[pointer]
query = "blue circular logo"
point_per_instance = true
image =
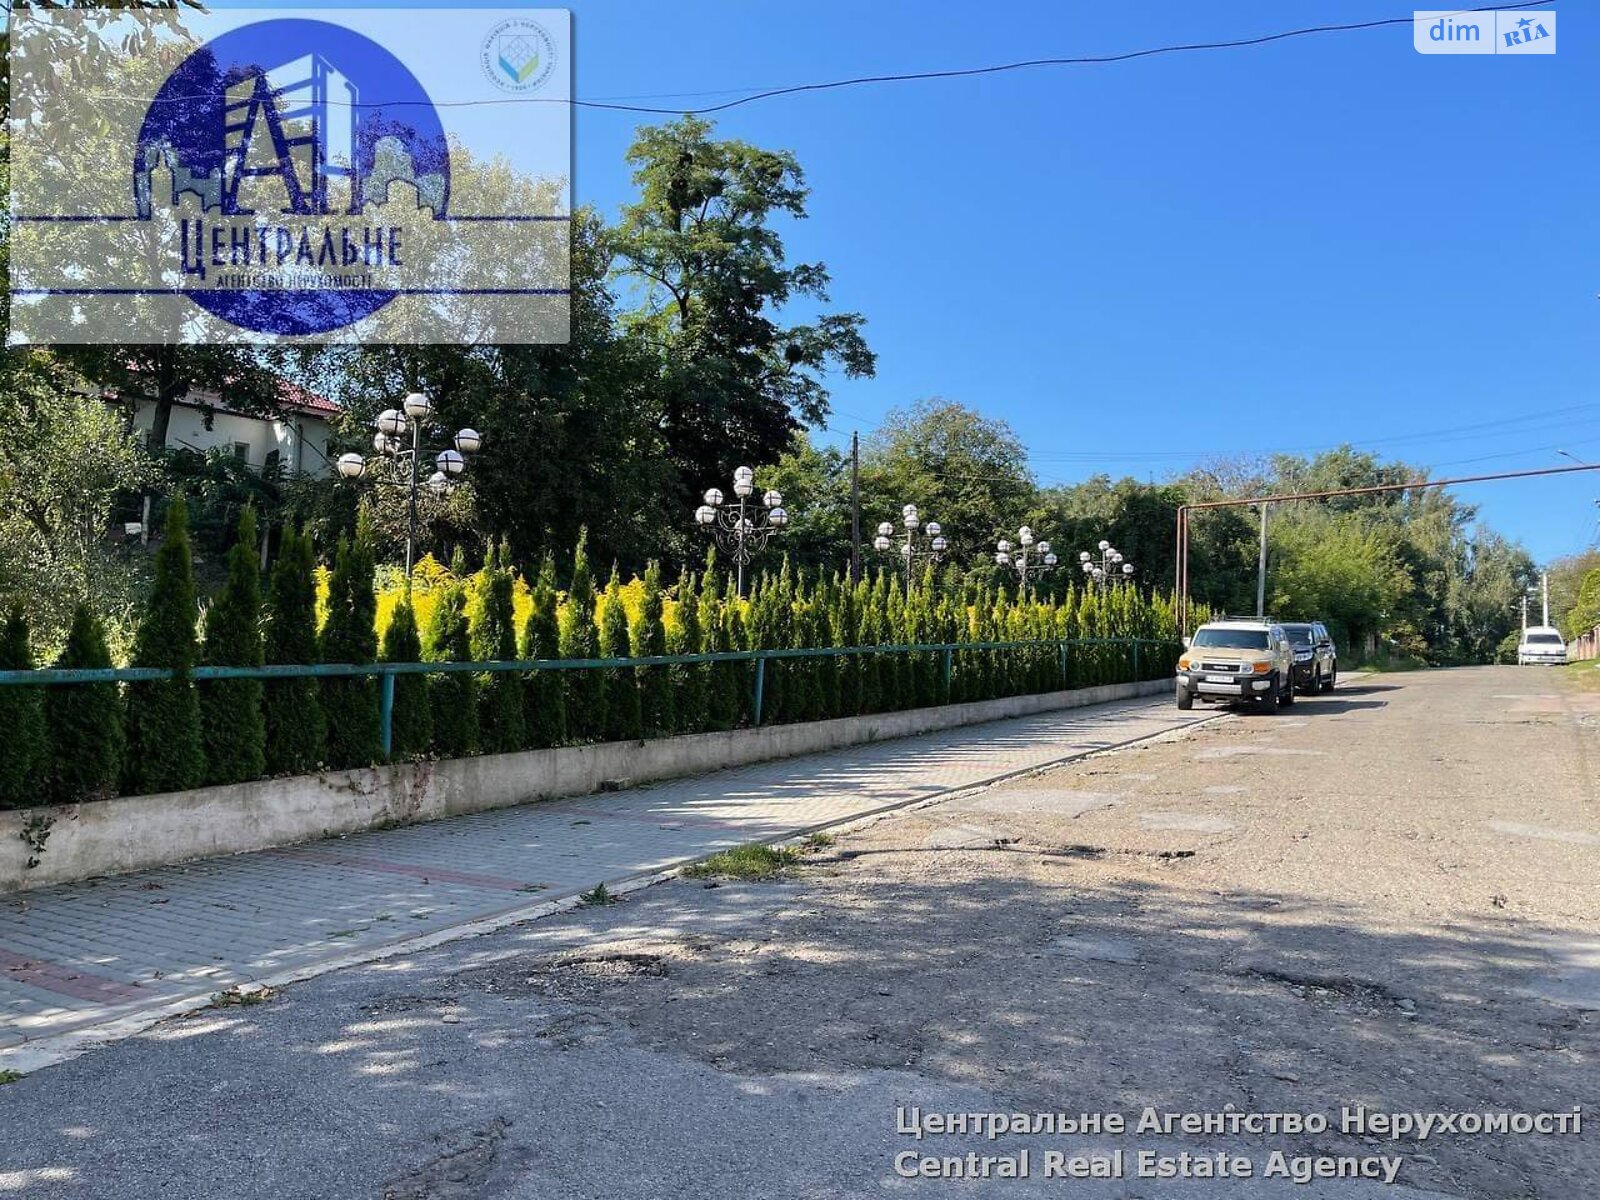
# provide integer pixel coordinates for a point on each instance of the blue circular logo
(278, 144)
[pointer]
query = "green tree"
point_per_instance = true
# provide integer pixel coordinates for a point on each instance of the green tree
(453, 696)
(24, 758)
(701, 248)
(546, 717)
(85, 720)
(349, 635)
(1585, 612)
(296, 731)
(688, 681)
(233, 725)
(411, 720)
(494, 637)
(165, 751)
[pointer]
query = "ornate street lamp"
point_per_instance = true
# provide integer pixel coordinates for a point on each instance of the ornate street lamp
(401, 463)
(1109, 568)
(1028, 558)
(742, 528)
(933, 551)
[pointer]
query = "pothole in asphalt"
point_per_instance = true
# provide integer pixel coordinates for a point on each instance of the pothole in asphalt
(569, 976)
(1095, 947)
(1339, 990)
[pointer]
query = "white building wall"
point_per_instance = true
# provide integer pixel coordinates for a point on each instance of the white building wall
(300, 439)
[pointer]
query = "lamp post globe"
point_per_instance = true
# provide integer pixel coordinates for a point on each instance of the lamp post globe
(450, 462)
(417, 405)
(391, 421)
(352, 466)
(469, 440)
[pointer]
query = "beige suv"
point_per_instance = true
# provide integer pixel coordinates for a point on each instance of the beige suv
(1237, 659)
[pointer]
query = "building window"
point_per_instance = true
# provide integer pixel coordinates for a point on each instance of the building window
(241, 451)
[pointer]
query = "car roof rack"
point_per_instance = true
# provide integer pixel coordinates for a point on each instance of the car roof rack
(1269, 619)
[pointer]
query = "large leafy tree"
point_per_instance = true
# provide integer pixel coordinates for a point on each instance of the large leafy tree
(712, 281)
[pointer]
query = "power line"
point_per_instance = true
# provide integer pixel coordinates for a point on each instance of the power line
(1035, 63)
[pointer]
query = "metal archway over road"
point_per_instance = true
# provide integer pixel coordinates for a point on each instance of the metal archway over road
(1266, 501)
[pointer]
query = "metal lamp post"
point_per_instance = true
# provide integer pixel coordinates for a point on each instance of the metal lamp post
(1109, 568)
(1028, 558)
(743, 527)
(909, 550)
(403, 462)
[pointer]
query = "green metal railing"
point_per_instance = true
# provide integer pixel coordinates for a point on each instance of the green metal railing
(385, 672)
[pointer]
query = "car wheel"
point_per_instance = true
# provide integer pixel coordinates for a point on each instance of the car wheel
(1333, 678)
(1185, 698)
(1322, 684)
(1269, 702)
(1288, 692)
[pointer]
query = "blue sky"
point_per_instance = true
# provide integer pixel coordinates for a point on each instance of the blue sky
(1323, 240)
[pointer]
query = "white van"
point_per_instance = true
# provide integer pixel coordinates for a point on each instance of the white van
(1541, 644)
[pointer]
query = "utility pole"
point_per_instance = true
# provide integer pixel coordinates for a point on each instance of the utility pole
(1261, 568)
(1544, 588)
(855, 507)
(1524, 612)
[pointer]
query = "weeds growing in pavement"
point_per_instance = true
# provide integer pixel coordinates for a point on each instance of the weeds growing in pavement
(754, 861)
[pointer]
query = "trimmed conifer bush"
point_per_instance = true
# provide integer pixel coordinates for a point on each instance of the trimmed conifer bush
(545, 702)
(687, 681)
(624, 716)
(647, 637)
(84, 720)
(233, 727)
(24, 753)
(494, 638)
(452, 697)
(295, 728)
(350, 704)
(411, 721)
(587, 691)
(165, 752)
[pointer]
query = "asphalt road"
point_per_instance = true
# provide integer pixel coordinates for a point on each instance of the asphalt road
(1386, 898)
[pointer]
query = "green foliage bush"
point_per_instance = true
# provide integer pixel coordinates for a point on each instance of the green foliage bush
(165, 752)
(411, 723)
(624, 714)
(24, 753)
(544, 699)
(350, 705)
(84, 720)
(453, 697)
(296, 730)
(233, 726)
(494, 638)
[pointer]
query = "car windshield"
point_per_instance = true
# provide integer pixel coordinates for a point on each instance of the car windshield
(1545, 639)
(1300, 635)
(1231, 639)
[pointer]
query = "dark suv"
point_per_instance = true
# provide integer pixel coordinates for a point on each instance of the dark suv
(1316, 662)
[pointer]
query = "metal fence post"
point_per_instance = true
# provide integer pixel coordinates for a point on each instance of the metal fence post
(948, 654)
(386, 711)
(1061, 653)
(1136, 660)
(760, 689)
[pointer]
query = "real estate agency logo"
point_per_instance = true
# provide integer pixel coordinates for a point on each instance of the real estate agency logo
(518, 55)
(1484, 31)
(290, 155)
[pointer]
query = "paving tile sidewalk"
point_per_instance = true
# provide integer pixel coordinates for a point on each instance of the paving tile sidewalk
(82, 955)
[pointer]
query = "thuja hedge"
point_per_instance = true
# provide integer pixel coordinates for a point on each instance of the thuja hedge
(180, 733)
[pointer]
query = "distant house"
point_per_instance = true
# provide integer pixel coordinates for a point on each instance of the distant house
(294, 442)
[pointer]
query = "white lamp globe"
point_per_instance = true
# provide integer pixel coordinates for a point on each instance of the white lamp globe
(469, 441)
(940, 545)
(773, 498)
(885, 529)
(779, 517)
(705, 514)
(934, 529)
(912, 521)
(438, 481)
(1044, 547)
(1104, 545)
(417, 405)
(880, 543)
(450, 462)
(391, 421)
(1002, 558)
(381, 442)
(713, 497)
(744, 481)
(352, 466)
(1127, 568)
(1088, 567)
(1025, 536)
(1049, 560)
(1004, 547)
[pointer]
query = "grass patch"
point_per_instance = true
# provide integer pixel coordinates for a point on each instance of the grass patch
(754, 861)
(1583, 675)
(10, 1076)
(817, 841)
(598, 894)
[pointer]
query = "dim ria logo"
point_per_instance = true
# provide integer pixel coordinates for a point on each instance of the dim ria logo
(518, 55)
(292, 156)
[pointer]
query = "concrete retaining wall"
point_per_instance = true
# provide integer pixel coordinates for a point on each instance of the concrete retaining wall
(109, 837)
